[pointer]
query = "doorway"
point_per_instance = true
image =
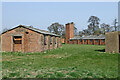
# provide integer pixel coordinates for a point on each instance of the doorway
(77, 41)
(17, 43)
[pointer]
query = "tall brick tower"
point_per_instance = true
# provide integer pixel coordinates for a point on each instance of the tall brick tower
(69, 31)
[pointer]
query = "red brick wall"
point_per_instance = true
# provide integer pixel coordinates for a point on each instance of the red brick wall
(51, 44)
(76, 41)
(6, 42)
(59, 40)
(85, 42)
(69, 31)
(80, 42)
(102, 42)
(91, 42)
(71, 42)
(71, 26)
(55, 42)
(46, 43)
(96, 43)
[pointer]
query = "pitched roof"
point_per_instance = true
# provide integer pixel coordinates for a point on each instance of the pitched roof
(89, 37)
(76, 37)
(34, 29)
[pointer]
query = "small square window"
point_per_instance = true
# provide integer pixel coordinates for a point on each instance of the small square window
(80, 40)
(17, 39)
(96, 40)
(84, 40)
(103, 40)
(91, 40)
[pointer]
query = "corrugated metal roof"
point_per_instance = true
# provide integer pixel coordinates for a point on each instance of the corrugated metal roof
(89, 37)
(41, 31)
(76, 37)
(35, 29)
(101, 37)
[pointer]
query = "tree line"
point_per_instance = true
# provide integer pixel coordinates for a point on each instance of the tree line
(94, 28)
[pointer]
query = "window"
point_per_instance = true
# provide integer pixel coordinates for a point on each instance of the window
(44, 40)
(17, 39)
(80, 40)
(103, 40)
(26, 32)
(96, 40)
(90, 40)
(84, 40)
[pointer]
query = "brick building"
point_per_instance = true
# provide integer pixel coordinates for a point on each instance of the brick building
(112, 42)
(28, 39)
(91, 39)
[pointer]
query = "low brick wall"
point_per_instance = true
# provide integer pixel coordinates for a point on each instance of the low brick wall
(112, 42)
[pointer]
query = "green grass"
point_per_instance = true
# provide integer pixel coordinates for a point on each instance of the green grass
(70, 61)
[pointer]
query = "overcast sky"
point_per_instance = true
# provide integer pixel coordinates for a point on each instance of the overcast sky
(43, 14)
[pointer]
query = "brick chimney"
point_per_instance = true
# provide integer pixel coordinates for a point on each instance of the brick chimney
(69, 31)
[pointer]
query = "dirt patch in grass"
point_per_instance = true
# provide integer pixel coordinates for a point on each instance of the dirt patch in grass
(53, 56)
(10, 58)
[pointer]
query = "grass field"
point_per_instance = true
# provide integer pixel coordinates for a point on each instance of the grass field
(70, 61)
